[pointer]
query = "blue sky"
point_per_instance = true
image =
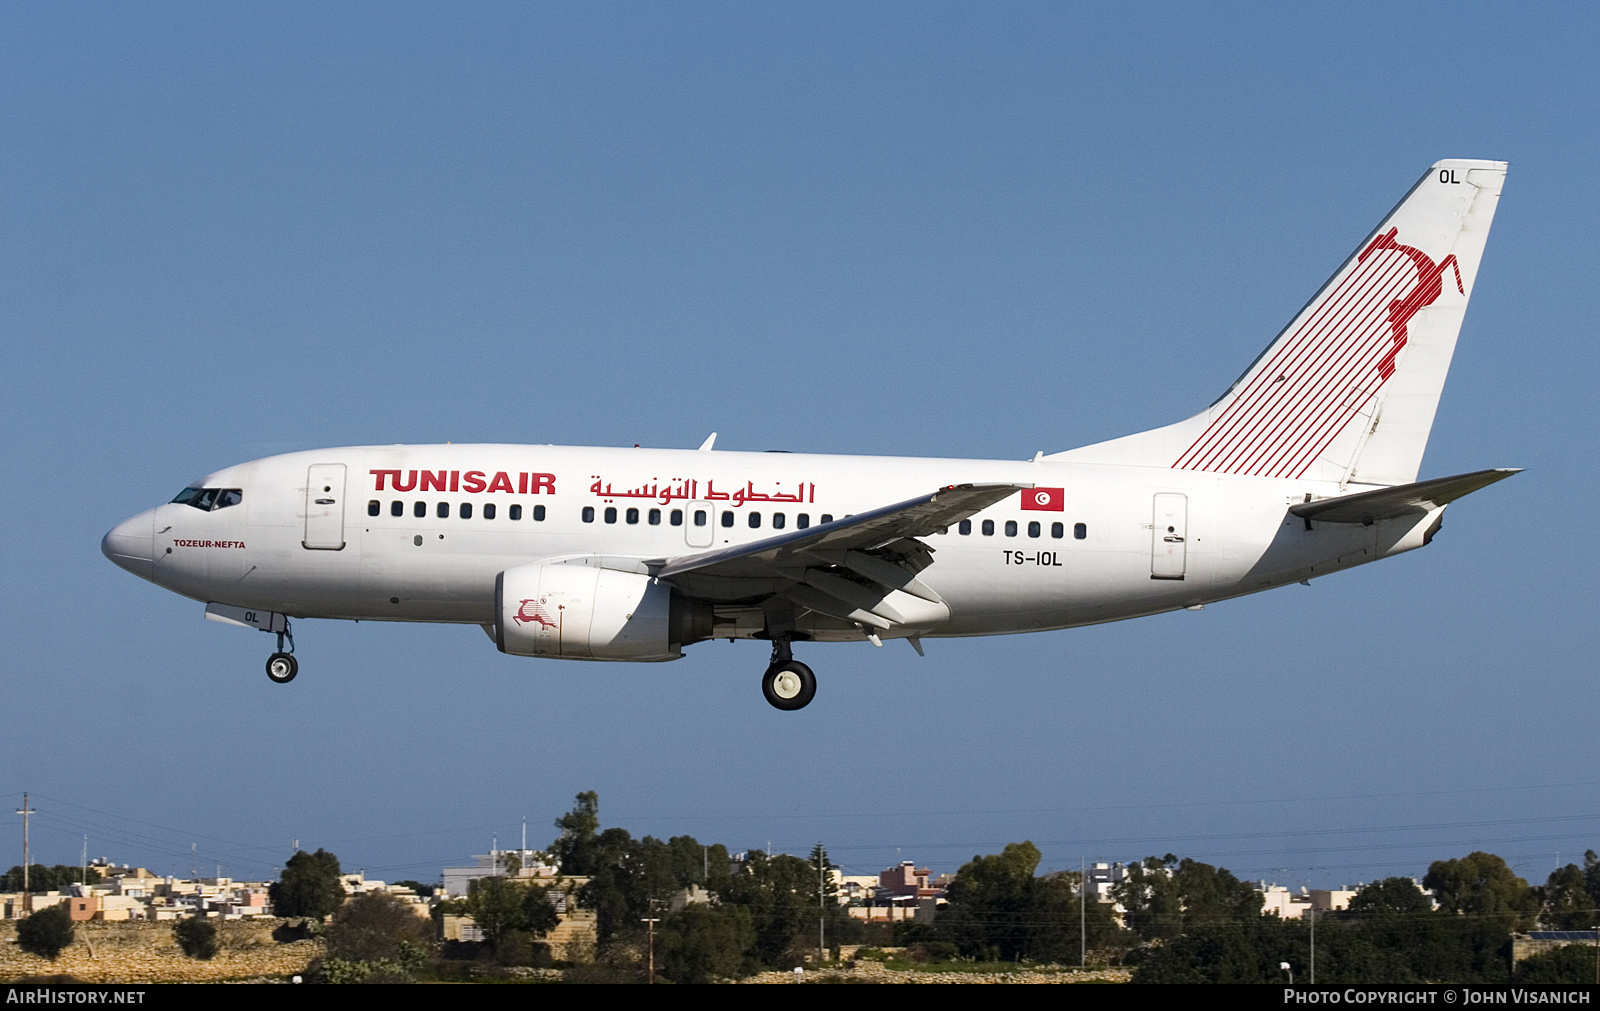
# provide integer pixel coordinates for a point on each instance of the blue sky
(917, 229)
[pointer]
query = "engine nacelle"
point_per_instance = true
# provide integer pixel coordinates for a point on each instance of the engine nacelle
(582, 612)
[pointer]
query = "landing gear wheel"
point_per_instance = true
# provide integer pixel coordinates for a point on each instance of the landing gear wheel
(789, 685)
(282, 667)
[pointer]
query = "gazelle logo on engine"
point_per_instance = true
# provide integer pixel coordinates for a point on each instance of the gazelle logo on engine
(531, 612)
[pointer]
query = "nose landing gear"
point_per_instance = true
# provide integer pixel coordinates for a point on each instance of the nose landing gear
(788, 684)
(282, 666)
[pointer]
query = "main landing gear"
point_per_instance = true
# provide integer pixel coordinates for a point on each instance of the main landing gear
(788, 684)
(282, 666)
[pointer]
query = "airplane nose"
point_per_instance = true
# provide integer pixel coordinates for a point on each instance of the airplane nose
(131, 545)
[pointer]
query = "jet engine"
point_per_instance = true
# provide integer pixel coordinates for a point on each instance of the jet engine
(574, 611)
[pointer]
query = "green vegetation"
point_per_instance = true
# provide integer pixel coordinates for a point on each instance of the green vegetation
(46, 932)
(196, 936)
(999, 911)
(47, 879)
(309, 886)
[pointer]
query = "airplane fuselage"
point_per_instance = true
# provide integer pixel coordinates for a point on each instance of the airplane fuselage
(418, 533)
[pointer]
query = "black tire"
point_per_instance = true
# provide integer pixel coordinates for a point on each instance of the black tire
(789, 686)
(282, 667)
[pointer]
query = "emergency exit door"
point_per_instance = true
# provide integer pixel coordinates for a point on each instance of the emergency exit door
(325, 507)
(1169, 536)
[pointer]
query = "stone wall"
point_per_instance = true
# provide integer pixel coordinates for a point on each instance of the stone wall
(143, 951)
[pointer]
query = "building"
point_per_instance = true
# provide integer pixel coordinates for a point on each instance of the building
(524, 865)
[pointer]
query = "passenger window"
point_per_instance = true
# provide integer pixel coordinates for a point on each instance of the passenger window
(374, 507)
(466, 510)
(632, 516)
(397, 508)
(755, 521)
(727, 519)
(803, 520)
(443, 510)
(538, 514)
(964, 527)
(1033, 529)
(655, 517)
(778, 521)
(420, 510)
(827, 517)
(1011, 528)
(488, 510)
(588, 514)
(1057, 531)
(611, 514)
(988, 528)
(677, 517)
(1080, 531)
(699, 517)
(515, 512)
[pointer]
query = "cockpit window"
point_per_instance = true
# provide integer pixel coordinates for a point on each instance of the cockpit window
(209, 499)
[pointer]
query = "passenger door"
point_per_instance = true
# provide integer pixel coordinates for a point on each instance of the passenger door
(1169, 535)
(324, 507)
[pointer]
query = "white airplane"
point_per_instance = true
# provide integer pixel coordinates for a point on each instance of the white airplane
(1305, 466)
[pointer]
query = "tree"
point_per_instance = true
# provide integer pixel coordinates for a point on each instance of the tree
(781, 894)
(46, 879)
(575, 848)
(46, 932)
(309, 886)
(1566, 900)
(196, 936)
(1163, 895)
(998, 910)
(503, 908)
(1150, 897)
(1480, 884)
(989, 903)
(1390, 897)
(700, 944)
(375, 926)
(1570, 963)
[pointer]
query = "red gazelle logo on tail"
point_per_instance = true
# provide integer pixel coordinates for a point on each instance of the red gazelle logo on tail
(1326, 366)
(1423, 295)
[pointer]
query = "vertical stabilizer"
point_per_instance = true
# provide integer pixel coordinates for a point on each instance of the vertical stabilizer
(1348, 390)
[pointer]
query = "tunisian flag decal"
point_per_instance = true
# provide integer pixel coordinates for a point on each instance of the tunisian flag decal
(1050, 500)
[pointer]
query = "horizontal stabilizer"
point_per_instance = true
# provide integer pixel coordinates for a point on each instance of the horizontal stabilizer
(1389, 503)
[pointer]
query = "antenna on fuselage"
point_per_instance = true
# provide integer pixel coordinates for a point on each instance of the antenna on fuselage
(705, 447)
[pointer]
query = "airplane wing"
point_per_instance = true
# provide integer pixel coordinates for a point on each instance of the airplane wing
(1389, 503)
(863, 531)
(860, 569)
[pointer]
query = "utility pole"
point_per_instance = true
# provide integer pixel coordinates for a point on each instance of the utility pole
(27, 896)
(1312, 912)
(1083, 914)
(650, 931)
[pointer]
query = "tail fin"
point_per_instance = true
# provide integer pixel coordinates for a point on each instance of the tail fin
(1348, 390)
